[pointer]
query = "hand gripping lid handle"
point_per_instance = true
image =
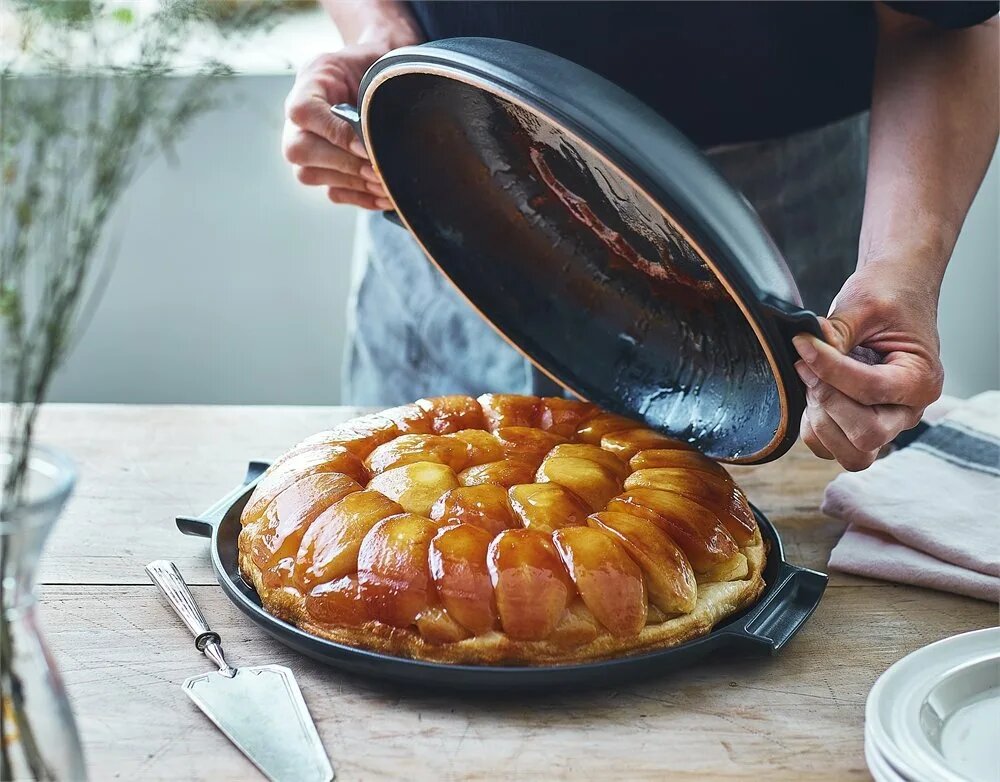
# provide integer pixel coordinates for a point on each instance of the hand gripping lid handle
(350, 115)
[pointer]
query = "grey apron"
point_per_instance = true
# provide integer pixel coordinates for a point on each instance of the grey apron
(411, 335)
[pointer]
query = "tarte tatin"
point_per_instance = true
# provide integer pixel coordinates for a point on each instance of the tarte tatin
(504, 530)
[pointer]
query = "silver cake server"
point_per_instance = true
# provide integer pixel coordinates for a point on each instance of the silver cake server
(259, 707)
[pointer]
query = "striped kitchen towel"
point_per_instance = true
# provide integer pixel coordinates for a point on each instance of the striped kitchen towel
(928, 514)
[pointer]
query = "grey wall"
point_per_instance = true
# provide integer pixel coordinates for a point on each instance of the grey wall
(970, 299)
(231, 278)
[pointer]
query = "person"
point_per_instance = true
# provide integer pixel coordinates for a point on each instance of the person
(860, 133)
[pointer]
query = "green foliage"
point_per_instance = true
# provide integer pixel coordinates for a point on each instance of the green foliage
(69, 12)
(123, 15)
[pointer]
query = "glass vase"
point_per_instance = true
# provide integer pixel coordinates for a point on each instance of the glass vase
(38, 736)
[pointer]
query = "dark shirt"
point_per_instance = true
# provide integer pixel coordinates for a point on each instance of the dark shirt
(721, 72)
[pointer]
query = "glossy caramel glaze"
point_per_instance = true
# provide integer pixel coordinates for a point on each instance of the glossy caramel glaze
(508, 529)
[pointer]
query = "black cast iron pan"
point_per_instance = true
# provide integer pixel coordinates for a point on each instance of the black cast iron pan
(791, 595)
(593, 236)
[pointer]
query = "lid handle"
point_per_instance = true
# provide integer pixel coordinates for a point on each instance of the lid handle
(791, 320)
(352, 117)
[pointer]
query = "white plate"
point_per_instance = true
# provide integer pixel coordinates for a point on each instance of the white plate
(951, 723)
(879, 767)
(904, 688)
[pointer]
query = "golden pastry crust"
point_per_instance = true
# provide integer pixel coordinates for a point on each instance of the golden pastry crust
(456, 530)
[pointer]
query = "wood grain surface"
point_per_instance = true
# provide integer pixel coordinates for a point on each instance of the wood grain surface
(123, 653)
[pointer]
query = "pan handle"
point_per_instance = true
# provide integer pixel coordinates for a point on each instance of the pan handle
(791, 320)
(203, 524)
(352, 117)
(779, 617)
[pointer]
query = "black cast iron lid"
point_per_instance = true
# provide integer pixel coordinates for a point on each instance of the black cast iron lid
(594, 237)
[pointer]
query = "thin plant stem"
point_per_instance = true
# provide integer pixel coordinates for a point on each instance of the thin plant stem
(72, 139)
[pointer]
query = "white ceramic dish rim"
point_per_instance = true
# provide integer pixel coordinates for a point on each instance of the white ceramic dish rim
(906, 727)
(879, 767)
(978, 641)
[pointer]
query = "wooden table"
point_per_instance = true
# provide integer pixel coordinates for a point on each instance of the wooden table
(123, 653)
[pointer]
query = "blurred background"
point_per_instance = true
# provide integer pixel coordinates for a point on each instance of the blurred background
(231, 279)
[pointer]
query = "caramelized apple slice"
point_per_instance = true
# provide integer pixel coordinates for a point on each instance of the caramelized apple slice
(484, 506)
(532, 586)
(329, 548)
(563, 416)
(738, 517)
(593, 429)
(675, 457)
(462, 577)
(452, 413)
(510, 410)
(577, 626)
(629, 442)
(625, 503)
(595, 454)
(311, 460)
(696, 529)
(437, 627)
(506, 473)
(410, 419)
(483, 446)
(527, 444)
(719, 495)
(594, 483)
(409, 448)
(547, 506)
(733, 569)
(669, 579)
(609, 582)
(320, 453)
(284, 522)
(393, 569)
(278, 574)
(415, 486)
(360, 436)
(699, 486)
(338, 603)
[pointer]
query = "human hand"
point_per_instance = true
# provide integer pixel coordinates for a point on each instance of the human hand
(322, 148)
(853, 409)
